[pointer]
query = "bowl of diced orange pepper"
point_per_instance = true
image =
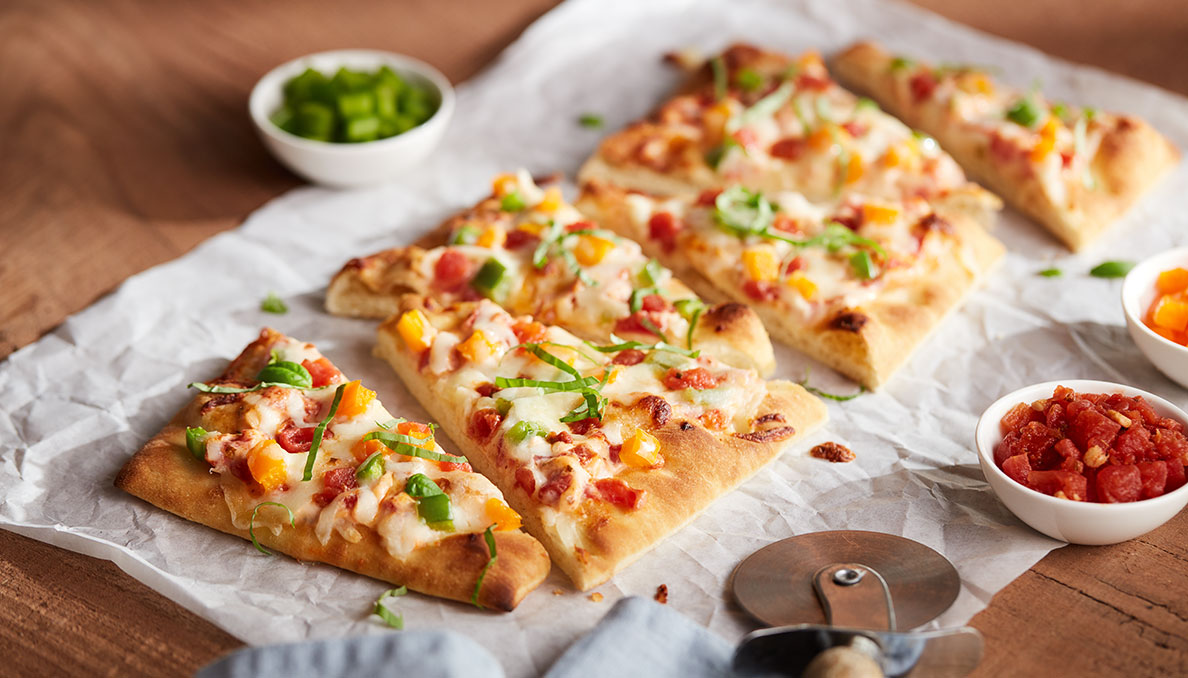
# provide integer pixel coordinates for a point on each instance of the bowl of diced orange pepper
(1155, 301)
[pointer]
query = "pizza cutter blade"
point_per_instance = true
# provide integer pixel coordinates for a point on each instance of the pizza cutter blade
(838, 599)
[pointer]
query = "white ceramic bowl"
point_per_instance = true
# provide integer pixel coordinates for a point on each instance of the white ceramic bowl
(1077, 522)
(351, 165)
(1138, 291)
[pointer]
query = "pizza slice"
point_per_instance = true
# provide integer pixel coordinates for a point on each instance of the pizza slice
(282, 449)
(857, 285)
(772, 123)
(604, 450)
(534, 254)
(1074, 170)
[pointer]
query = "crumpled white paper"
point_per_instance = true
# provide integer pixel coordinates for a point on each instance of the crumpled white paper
(76, 404)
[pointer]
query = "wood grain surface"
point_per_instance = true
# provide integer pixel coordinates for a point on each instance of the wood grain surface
(126, 142)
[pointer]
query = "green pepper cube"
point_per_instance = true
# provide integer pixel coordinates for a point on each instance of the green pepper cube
(387, 77)
(362, 129)
(435, 508)
(305, 87)
(347, 80)
(315, 121)
(390, 127)
(356, 104)
(196, 442)
(1025, 112)
(371, 469)
(385, 100)
(524, 430)
(285, 118)
(489, 277)
(863, 266)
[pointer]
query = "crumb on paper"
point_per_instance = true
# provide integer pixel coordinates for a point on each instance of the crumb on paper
(596, 597)
(557, 592)
(833, 452)
(662, 594)
(685, 58)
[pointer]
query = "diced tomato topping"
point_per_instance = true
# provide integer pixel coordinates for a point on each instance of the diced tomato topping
(295, 439)
(637, 323)
(1017, 468)
(788, 148)
(1175, 475)
(746, 138)
(1002, 149)
(617, 492)
(518, 238)
(850, 221)
(655, 302)
(665, 227)
(629, 357)
(484, 423)
(455, 466)
(322, 371)
(922, 85)
(555, 486)
(1154, 477)
(614, 453)
(793, 265)
(804, 81)
(452, 270)
(697, 378)
(1119, 483)
(761, 290)
(708, 197)
(335, 482)
(1066, 160)
(525, 480)
(1073, 485)
(486, 389)
(855, 129)
(583, 426)
(581, 226)
(529, 332)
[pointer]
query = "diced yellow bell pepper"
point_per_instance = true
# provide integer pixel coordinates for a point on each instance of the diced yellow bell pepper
(1172, 281)
(855, 168)
(761, 264)
(1171, 313)
(975, 82)
(355, 399)
(504, 184)
(810, 58)
(800, 282)
(492, 236)
(477, 347)
(531, 227)
(822, 138)
(1047, 140)
(266, 462)
(415, 330)
(591, 249)
(641, 450)
(879, 214)
(551, 201)
(505, 518)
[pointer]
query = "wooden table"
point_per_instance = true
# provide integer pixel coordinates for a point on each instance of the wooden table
(126, 142)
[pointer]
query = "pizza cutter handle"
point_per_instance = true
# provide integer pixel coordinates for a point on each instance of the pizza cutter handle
(859, 659)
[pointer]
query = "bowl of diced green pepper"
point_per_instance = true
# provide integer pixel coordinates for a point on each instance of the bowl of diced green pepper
(354, 117)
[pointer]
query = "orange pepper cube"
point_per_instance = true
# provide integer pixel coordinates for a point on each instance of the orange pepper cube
(414, 328)
(641, 450)
(505, 518)
(365, 448)
(1170, 282)
(1171, 312)
(478, 347)
(355, 399)
(591, 249)
(266, 463)
(421, 432)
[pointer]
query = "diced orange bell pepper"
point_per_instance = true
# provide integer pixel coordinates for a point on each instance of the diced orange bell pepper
(505, 518)
(415, 330)
(477, 347)
(355, 399)
(365, 448)
(761, 264)
(504, 184)
(591, 249)
(641, 450)
(492, 236)
(809, 59)
(821, 139)
(1047, 140)
(266, 463)
(421, 432)
(551, 201)
(800, 282)
(879, 214)
(855, 168)
(1171, 312)
(1172, 281)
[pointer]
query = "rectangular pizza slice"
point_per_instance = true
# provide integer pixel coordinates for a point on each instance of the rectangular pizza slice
(282, 449)
(604, 450)
(768, 122)
(857, 285)
(1073, 169)
(530, 251)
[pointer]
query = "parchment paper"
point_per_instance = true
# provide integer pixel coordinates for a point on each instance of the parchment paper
(76, 404)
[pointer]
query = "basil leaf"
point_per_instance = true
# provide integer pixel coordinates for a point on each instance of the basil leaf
(693, 325)
(402, 444)
(285, 372)
(387, 425)
(319, 432)
(273, 304)
(551, 359)
(420, 485)
(252, 523)
(195, 442)
(1111, 269)
(590, 120)
(831, 396)
(1051, 273)
(764, 108)
(651, 273)
(390, 618)
(718, 67)
(658, 346)
(489, 536)
(556, 386)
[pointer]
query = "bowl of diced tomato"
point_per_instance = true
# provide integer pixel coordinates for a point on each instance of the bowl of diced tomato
(1087, 462)
(1155, 302)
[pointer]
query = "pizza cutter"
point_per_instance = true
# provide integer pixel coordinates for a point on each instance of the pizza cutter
(842, 603)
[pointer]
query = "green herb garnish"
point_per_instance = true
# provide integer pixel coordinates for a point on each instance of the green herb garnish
(1111, 269)
(1025, 112)
(691, 310)
(390, 618)
(718, 67)
(749, 79)
(285, 372)
(590, 120)
(651, 273)
(1051, 273)
(252, 523)
(831, 396)
(319, 432)
(639, 345)
(273, 304)
(407, 445)
(195, 442)
(489, 536)
(901, 63)
(371, 468)
(764, 108)
(864, 268)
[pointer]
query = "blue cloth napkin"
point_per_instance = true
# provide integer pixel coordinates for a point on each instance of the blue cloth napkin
(637, 637)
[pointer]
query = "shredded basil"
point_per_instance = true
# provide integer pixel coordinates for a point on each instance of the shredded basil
(1051, 273)
(635, 303)
(390, 618)
(831, 396)
(252, 523)
(749, 79)
(371, 468)
(718, 66)
(554, 241)
(1111, 269)
(319, 432)
(407, 445)
(658, 346)
(590, 120)
(489, 536)
(273, 304)
(206, 388)
(764, 108)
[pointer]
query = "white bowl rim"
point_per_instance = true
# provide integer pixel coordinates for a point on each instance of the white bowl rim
(986, 452)
(1135, 316)
(273, 77)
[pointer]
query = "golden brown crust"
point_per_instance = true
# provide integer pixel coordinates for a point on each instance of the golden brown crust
(164, 474)
(872, 341)
(1130, 160)
(699, 466)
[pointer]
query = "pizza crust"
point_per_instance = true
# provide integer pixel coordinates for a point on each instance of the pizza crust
(699, 467)
(1131, 159)
(867, 343)
(166, 475)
